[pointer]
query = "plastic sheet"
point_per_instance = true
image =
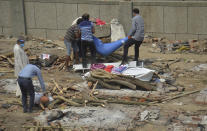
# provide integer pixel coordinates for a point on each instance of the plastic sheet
(108, 48)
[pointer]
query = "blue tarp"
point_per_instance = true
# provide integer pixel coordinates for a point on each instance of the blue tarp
(108, 48)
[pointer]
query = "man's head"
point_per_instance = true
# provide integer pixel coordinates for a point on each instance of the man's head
(79, 21)
(135, 11)
(20, 42)
(86, 16)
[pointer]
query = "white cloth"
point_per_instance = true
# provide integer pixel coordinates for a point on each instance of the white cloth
(20, 59)
(142, 74)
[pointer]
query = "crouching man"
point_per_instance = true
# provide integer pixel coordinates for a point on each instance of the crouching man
(26, 86)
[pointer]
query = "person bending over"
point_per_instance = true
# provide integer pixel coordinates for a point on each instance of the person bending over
(25, 82)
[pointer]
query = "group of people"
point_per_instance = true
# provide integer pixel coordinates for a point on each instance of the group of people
(79, 36)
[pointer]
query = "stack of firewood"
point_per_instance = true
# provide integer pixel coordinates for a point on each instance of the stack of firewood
(115, 82)
(76, 94)
(59, 63)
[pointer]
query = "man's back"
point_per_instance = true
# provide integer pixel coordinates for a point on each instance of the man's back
(86, 30)
(29, 71)
(139, 27)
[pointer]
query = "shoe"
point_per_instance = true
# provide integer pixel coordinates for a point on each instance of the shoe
(123, 63)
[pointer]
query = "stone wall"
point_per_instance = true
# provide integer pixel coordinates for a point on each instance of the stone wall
(50, 18)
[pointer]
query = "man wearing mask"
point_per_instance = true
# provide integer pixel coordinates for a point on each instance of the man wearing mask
(87, 30)
(20, 60)
(136, 36)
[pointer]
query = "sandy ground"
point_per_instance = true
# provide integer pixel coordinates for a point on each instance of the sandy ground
(191, 81)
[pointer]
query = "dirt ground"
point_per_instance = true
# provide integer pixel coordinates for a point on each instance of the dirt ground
(13, 120)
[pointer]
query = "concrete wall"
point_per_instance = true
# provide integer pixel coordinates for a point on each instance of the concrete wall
(5, 19)
(175, 20)
(50, 18)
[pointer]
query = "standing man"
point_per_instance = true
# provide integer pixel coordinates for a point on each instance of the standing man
(71, 39)
(87, 30)
(26, 86)
(20, 60)
(136, 36)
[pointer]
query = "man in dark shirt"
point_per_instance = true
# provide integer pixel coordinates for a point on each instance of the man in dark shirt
(25, 82)
(87, 31)
(71, 39)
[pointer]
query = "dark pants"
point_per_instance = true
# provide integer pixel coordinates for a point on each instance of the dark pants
(79, 46)
(26, 87)
(129, 43)
(84, 46)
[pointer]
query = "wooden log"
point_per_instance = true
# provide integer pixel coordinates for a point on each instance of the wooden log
(51, 105)
(127, 102)
(57, 86)
(181, 95)
(128, 93)
(94, 87)
(121, 82)
(103, 84)
(70, 102)
(141, 84)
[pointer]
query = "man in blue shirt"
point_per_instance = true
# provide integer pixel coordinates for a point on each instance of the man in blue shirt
(87, 30)
(25, 82)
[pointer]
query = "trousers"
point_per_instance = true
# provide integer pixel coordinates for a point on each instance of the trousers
(27, 88)
(84, 46)
(129, 43)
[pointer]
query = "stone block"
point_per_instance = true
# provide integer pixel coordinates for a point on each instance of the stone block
(45, 15)
(166, 35)
(41, 33)
(55, 34)
(102, 31)
(197, 18)
(186, 36)
(5, 18)
(93, 10)
(30, 14)
(66, 14)
(108, 12)
(175, 19)
(153, 18)
(200, 99)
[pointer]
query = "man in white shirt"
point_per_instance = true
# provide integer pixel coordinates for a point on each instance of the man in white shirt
(20, 60)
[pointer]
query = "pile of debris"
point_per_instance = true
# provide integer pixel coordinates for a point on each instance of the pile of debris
(164, 45)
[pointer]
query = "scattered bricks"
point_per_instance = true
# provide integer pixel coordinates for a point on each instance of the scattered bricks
(200, 99)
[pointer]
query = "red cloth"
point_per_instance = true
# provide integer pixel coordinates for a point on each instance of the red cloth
(100, 22)
(109, 68)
